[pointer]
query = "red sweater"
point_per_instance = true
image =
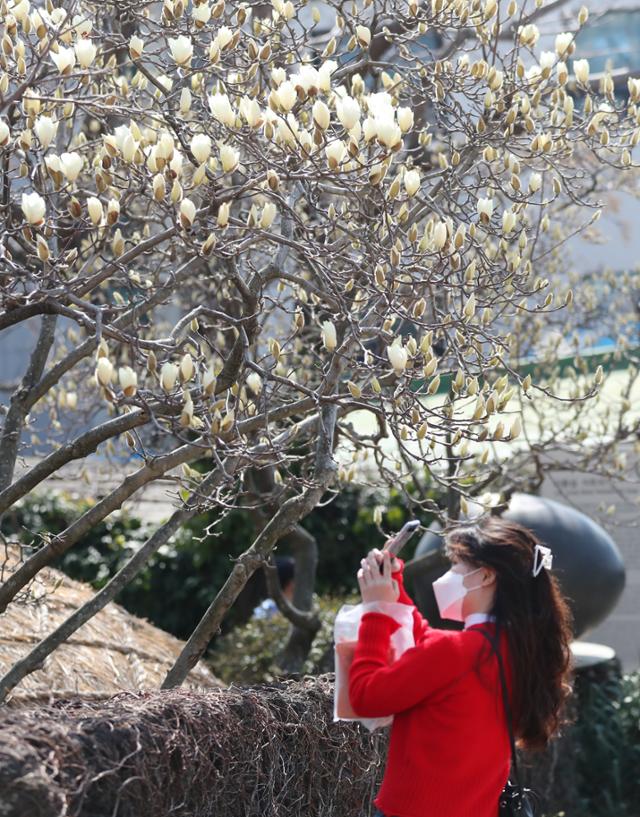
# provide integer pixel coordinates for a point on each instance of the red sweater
(449, 752)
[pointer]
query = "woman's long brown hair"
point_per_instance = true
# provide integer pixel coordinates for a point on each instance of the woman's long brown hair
(536, 618)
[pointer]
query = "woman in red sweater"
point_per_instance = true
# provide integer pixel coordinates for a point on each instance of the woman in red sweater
(449, 752)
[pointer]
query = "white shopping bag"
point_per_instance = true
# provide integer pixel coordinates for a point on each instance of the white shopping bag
(345, 636)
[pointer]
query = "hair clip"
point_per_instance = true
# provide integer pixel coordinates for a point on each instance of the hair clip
(542, 557)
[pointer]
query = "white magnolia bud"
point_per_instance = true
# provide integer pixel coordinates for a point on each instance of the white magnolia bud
(329, 338)
(405, 119)
(34, 208)
(45, 129)
(321, 114)
(94, 206)
(64, 60)
(223, 214)
(364, 36)
(535, 182)
(440, 235)
(186, 368)
(485, 209)
(581, 70)
(398, 356)
(286, 95)
(136, 46)
(168, 375)
(5, 133)
(201, 147)
(104, 371)
(85, 52)
(221, 109)
(187, 213)
(412, 182)
(335, 153)
(564, 44)
(128, 380)
(348, 111)
(268, 214)
(254, 382)
(229, 158)
(181, 50)
(71, 165)
(509, 220)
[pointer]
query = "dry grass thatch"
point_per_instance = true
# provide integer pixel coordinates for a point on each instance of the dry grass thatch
(112, 652)
(264, 751)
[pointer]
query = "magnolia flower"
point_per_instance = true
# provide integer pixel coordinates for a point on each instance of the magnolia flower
(187, 213)
(278, 75)
(181, 49)
(485, 209)
(324, 75)
(321, 115)
(94, 206)
(223, 214)
(508, 221)
(364, 36)
(268, 215)
(388, 133)
(64, 60)
(348, 111)
(398, 356)
(82, 25)
(168, 375)
(405, 119)
(20, 10)
(71, 165)
(128, 380)
(229, 158)
(224, 36)
(45, 129)
(439, 235)
(335, 153)
(5, 133)
(633, 85)
(306, 78)
(186, 368)
(329, 338)
(136, 45)
(547, 60)
(72, 400)
(85, 52)
(201, 14)
(251, 112)
(208, 381)
(529, 34)
(581, 70)
(221, 109)
(34, 208)
(254, 382)
(286, 95)
(113, 211)
(564, 44)
(535, 182)
(201, 147)
(412, 182)
(104, 372)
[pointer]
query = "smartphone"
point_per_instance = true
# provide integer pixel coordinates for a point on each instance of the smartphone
(397, 542)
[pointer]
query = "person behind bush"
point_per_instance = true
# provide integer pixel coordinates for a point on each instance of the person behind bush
(449, 749)
(286, 576)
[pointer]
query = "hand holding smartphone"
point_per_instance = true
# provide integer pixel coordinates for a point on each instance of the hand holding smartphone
(397, 542)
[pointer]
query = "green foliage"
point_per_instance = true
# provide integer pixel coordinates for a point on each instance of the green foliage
(179, 582)
(176, 586)
(607, 739)
(247, 654)
(344, 530)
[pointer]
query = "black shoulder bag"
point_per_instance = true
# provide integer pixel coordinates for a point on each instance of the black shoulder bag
(514, 800)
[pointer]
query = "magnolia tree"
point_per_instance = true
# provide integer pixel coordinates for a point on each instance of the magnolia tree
(259, 219)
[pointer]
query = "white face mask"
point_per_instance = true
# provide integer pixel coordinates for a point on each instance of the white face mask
(450, 592)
